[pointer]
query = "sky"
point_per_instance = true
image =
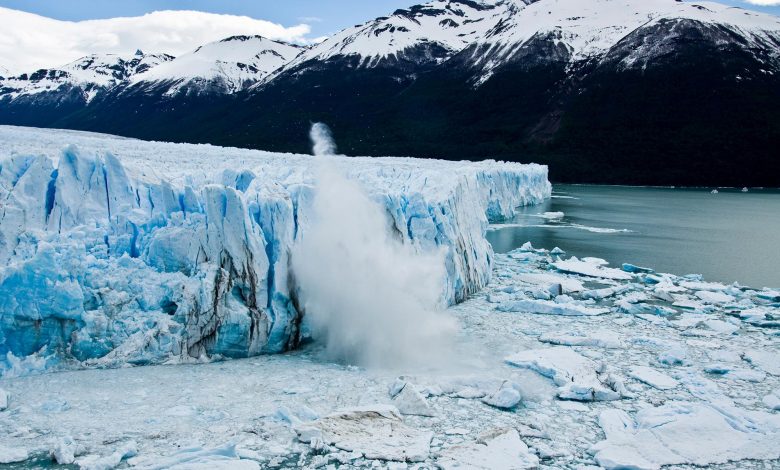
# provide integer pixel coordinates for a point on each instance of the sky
(47, 33)
(324, 16)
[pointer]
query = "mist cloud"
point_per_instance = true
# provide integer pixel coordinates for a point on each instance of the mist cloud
(371, 299)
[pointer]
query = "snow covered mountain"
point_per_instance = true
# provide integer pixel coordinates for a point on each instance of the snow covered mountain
(590, 30)
(81, 80)
(627, 91)
(225, 66)
(493, 33)
(422, 35)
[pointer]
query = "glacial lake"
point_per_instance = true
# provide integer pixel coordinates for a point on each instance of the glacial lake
(729, 236)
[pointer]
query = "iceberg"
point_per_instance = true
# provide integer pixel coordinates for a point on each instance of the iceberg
(498, 449)
(592, 267)
(117, 251)
(376, 431)
(685, 433)
(577, 377)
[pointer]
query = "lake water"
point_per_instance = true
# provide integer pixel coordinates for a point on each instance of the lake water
(729, 236)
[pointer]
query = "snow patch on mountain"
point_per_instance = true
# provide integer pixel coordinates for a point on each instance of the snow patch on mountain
(444, 26)
(491, 34)
(122, 251)
(589, 29)
(228, 65)
(90, 75)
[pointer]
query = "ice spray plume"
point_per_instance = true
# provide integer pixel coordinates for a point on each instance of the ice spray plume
(371, 299)
(322, 140)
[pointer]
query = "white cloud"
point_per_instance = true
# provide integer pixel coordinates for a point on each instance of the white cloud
(29, 42)
(765, 3)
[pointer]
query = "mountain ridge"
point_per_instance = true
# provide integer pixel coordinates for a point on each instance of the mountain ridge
(597, 89)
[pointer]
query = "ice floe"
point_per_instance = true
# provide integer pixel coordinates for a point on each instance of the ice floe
(599, 338)
(577, 377)
(12, 455)
(498, 450)
(506, 397)
(547, 307)
(409, 401)
(377, 432)
(685, 433)
(591, 267)
(772, 401)
(653, 377)
(768, 361)
(697, 386)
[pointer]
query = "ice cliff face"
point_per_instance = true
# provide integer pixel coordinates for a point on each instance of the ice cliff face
(115, 250)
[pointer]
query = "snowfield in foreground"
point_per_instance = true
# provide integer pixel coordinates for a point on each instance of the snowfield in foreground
(116, 251)
(673, 371)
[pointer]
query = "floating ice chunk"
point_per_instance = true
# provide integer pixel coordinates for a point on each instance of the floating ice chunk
(754, 314)
(576, 376)
(297, 416)
(773, 400)
(736, 373)
(8, 455)
(600, 294)
(552, 215)
(685, 433)
(653, 378)
(768, 361)
(630, 268)
(592, 269)
(701, 285)
(601, 338)
(469, 393)
(506, 397)
(692, 305)
(557, 251)
(225, 457)
(708, 328)
(96, 462)
(217, 463)
(547, 307)
(65, 452)
(674, 355)
(376, 431)
(716, 298)
(667, 288)
(409, 401)
(714, 191)
(545, 279)
(527, 247)
(503, 450)
(573, 406)
(4, 398)
(771, 295)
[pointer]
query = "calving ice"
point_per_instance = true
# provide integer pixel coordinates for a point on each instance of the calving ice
(119, 251)
(374, 299)
(172, 297)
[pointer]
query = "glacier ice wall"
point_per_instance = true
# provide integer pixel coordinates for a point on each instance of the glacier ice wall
(117, 251)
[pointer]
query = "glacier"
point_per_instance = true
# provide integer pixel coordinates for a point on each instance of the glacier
(118, 251)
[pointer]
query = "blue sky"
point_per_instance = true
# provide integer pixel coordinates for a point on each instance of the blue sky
(324, 16)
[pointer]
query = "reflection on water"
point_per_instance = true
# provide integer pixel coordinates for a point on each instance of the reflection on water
(729, 236)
